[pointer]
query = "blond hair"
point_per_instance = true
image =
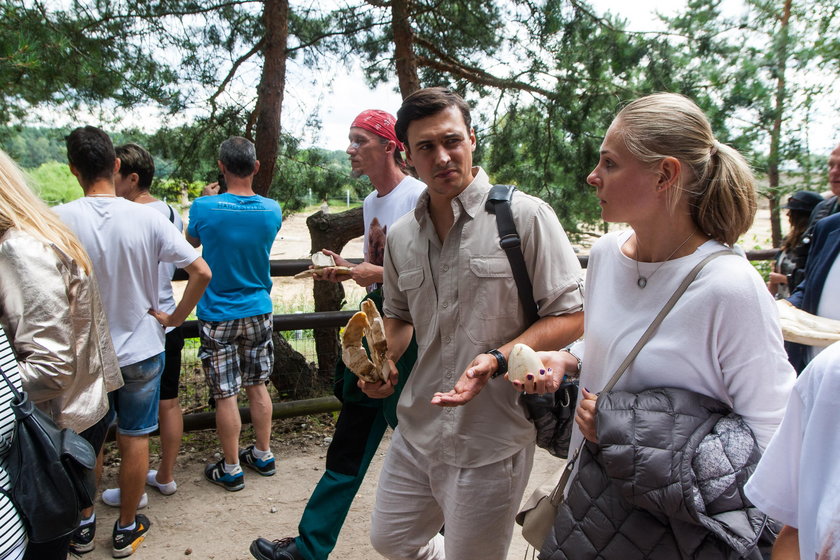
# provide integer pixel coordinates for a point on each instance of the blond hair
(21, 209)
(719, 183)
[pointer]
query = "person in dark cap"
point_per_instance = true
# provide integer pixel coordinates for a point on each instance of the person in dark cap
(789, 268)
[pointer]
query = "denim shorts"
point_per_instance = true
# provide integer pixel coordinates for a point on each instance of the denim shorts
(136, 402)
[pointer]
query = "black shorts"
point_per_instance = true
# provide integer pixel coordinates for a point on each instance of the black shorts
(171, 377)
(96, 434)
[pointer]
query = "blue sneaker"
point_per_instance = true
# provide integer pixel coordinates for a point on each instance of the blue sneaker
(264, 466)
(231, 482)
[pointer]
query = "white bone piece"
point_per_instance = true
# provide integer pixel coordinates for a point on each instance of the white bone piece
(523, 361)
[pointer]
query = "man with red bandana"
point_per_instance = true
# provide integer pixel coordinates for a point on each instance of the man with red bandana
(374, 151)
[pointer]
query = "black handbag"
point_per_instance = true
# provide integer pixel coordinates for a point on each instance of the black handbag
(51, 471)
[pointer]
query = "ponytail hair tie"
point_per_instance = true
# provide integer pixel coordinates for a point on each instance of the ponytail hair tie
(714, 149)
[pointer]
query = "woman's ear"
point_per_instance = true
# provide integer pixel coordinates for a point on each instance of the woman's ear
(669, 173)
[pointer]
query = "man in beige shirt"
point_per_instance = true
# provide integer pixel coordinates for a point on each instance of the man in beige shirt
(448, 281)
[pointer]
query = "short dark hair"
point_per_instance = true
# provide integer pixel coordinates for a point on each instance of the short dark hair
(425, 103)
(91, 152)
(134, 159)
(238, 155)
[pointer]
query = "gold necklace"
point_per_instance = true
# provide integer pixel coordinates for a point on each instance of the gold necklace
(641, 281)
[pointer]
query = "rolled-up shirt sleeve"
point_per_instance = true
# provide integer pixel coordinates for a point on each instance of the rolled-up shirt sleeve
(556, 274)
(395, 302)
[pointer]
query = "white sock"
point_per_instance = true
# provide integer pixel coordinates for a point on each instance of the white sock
(90, 519)
(230, 468)
(127, 527)
(260, 454)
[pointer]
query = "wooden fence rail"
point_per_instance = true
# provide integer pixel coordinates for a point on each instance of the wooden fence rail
(294, 321)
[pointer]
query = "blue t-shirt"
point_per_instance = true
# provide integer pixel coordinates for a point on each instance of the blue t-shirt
(237, 233)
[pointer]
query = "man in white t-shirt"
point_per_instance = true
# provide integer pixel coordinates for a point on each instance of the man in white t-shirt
(797, 481)
(374, 151)
(125, 242)
(132, 182)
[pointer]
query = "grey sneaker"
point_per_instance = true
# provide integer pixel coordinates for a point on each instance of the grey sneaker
(232, 482)
(264, 466)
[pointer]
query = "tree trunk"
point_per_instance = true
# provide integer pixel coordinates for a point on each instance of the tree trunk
(404, 57)
(270, 91)
(331, 231)
(292, 375)
(773, 158)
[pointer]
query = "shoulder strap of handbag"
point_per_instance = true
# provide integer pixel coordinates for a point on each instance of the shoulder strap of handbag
(557, 493)
(498, 203)
(15, 392)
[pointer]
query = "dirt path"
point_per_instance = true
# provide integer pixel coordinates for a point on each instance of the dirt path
(203, 521)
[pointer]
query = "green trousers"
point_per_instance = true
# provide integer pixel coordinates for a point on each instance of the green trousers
(358, 431)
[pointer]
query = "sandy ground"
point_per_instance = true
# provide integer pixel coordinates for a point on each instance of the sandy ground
(204, 521)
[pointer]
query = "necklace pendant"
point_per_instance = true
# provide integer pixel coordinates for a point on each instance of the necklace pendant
(641, 282)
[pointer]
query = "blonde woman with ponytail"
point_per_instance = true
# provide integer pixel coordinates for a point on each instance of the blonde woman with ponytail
(51, 313)
(50, 308)
(685, 195)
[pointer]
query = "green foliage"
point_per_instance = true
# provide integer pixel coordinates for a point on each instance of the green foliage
(171, 190)
(33, 146)
(54, 183)
(76, 56)
(322, 173)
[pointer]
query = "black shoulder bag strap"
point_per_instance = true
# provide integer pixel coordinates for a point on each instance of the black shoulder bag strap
(498, 203)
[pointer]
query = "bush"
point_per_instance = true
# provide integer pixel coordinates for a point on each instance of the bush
(54, 183)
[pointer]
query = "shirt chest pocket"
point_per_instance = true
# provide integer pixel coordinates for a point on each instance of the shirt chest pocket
(491, 282)
(420, 300)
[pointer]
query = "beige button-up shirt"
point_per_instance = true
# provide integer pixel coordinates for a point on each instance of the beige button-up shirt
(461, 297)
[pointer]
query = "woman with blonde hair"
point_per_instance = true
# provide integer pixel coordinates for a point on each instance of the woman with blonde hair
(51, 312)
(650, 480)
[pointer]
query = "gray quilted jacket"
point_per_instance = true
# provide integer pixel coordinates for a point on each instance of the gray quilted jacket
(665, 482)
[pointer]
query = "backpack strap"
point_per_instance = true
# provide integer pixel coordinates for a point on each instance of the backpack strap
(498, 203)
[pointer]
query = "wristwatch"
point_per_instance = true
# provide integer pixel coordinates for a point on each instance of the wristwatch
(503, 365)
(576, 357)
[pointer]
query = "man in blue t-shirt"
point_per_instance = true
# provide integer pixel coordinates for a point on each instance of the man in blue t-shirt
(237, 229)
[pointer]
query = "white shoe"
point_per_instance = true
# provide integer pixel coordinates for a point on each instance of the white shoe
(111, 497)
(166, 489)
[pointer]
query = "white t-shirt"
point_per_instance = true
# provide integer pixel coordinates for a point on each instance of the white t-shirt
(722, 338)
(797, 480)
(166, 302)
(126, 241)
(829, 305)
(382, 211)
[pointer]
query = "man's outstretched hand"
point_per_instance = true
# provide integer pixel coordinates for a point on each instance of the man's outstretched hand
(474, 378)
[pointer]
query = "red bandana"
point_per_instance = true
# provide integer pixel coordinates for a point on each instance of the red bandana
(380, 123)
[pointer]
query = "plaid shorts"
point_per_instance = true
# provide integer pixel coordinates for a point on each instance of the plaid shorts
(237, 353)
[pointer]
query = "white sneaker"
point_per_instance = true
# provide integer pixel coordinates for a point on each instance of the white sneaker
(166, 489)
(111, 497)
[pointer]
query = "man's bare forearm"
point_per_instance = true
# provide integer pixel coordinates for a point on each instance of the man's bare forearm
(549, 333)
(200, 276)
(398, 333)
